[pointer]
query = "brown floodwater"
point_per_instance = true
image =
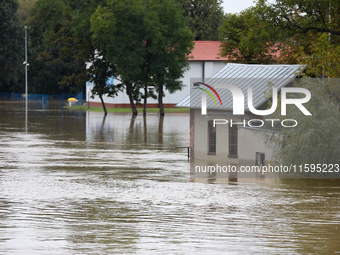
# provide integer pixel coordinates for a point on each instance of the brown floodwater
(73, 182)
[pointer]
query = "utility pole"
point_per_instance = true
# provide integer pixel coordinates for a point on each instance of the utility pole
(26, 64)
(26, 89)
(330, 20)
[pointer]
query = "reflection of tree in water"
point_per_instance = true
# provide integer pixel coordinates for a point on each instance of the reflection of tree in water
(145, 129)
(103, 123)
(101, 130)
(146, 132)
(128, 131)
(160, 129)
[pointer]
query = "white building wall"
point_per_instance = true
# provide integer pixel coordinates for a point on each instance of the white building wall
(209, 69)
(250, 141)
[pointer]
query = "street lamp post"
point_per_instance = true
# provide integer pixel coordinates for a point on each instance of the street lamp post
(26, 64)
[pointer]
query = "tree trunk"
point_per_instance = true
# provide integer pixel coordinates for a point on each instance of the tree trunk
(145, 99)
(103, 104)
(129, 93)
(160, 100)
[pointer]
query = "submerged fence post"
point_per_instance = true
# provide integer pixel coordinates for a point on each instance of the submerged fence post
(183, 148)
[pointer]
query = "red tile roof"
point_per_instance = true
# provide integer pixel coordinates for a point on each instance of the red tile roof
(206, 51)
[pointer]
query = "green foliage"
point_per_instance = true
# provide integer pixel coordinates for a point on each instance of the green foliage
(203, 18)
(24, 9)
(118, 30)
(48, 67)
(100, 70)
(143, 42)
(246, 39)
(301, 16)
(281, 32)
(11, 46)
(148, 43)
(316, 138)
(303, 26)
(322, 60)
(167, 45)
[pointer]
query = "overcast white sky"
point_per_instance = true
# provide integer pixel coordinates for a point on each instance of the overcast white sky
(233, 6)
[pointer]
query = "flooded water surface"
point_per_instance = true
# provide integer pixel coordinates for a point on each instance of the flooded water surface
(73, 182)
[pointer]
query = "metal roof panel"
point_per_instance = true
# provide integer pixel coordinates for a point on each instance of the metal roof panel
(257, 77)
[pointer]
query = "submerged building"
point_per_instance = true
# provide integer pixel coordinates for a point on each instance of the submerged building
(219, 135)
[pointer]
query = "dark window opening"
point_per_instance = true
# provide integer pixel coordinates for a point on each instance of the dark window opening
(260, 158)
(212, 138)
(233, 141)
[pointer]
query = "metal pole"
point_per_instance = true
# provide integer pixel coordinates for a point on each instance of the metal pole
(26, 90)
(330, 20)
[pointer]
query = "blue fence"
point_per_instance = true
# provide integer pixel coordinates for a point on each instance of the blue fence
(43, 100)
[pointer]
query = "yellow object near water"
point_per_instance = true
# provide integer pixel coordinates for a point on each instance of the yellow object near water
(72, 99)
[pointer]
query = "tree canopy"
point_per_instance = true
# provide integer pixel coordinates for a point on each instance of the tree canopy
(148, 42)
(24, 9)
(11, 46)
(301, 16)
(48, 67)
(315, 139)
(285, 31)
(247, 39)
(203, 17)
(305, 32)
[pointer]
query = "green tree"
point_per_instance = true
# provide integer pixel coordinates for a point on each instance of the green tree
(47, 66)
(203, 17)
(168, 47)
(24, 9)
(148, 42)
(315, 140)
(11, 46)
(312, 32)
(280, 32)
(100, 70)
(247, 39)
(300, 24)
(118, 29)
(322, 60)
(75, 38)
(292, 17)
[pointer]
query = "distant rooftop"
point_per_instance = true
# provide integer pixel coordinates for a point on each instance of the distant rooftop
(206, 51)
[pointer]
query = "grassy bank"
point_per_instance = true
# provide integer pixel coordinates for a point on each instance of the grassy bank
(122, 110)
